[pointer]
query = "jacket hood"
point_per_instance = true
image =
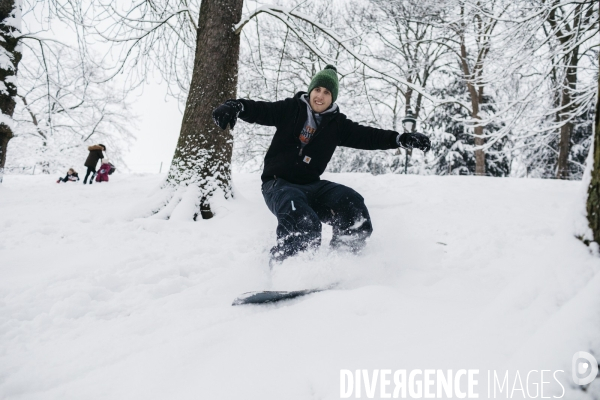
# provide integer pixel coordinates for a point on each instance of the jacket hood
(95, 147)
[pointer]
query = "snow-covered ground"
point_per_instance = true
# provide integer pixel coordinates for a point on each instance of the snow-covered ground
(97, 302)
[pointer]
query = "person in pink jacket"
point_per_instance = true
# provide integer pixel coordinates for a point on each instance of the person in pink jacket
(102, 175)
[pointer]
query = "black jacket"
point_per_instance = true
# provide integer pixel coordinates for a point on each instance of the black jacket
(73, 177)
(285, 157)
(94, 156)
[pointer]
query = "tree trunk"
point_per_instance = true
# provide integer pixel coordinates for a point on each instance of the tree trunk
(564, 147)
(565, 113)
(479, 153)
(476, 95)
(203, 155)
(568, 33)
(593, 200)
(10, 21)
(479, 140)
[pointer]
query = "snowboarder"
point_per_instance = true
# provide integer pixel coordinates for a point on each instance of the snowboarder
(92, 161)
(71, 176)
(103, 171)
(309, 128)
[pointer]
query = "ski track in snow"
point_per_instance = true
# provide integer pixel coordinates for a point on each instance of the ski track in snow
(97, 301)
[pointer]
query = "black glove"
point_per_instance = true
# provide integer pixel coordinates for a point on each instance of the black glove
(408, 140)
(227, 113)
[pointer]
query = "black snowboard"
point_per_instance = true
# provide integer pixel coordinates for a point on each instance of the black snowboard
(271, 296)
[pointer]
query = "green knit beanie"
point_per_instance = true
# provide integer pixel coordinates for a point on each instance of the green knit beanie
(327, 79)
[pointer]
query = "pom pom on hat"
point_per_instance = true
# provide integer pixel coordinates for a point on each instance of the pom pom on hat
(328, 79)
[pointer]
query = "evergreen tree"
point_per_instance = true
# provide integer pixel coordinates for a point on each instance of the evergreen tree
(452, 143)
(541, 154)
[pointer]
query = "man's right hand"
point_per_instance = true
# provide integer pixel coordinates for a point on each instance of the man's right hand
(227, 113)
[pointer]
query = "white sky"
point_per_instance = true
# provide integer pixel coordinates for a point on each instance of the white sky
(156, 130)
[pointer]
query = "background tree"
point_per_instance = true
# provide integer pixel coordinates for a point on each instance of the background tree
(10, 56)
(452, 144)
(569, 27)
(557, 74)
(202, 147)
(407, 43)
(593, 200)
(62, 109)
(61, 102)
(474, 28)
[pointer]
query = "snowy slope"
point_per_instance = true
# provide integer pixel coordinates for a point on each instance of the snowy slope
(461, 272)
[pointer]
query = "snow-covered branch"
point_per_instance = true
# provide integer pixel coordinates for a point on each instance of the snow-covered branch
(281, 13)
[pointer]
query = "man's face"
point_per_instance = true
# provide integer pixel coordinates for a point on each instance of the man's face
(320, 99)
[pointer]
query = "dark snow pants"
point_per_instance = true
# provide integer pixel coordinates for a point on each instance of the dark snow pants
(300, 210)
(90, 171)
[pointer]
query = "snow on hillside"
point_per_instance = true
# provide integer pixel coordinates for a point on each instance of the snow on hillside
(460, 273)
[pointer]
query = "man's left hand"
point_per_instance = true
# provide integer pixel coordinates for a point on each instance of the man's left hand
(417, 140)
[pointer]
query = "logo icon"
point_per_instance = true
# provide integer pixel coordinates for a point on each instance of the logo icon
(584, 368)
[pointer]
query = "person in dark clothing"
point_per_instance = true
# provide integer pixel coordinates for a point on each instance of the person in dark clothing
(71, 176)
(309, 127)
(92, 161)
